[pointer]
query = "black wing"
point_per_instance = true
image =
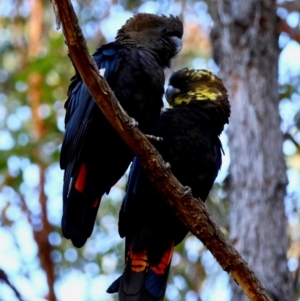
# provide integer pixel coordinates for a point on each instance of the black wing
(80, 106)
(93, 155)
(85, 157)
(191, 146)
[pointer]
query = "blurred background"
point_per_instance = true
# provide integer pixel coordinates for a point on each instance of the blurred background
(36, 262)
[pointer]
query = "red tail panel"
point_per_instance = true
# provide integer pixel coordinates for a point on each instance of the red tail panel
(139, 261)
(141, 282)
(162, 267)
(80, 181)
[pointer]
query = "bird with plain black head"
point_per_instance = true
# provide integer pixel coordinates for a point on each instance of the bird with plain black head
(93, 156)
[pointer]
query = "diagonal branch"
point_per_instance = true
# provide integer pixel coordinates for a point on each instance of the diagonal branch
(190, 210)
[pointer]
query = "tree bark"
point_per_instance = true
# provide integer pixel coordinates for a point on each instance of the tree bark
(245, 43)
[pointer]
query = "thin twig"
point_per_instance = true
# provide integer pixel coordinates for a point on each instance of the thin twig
(4, 278)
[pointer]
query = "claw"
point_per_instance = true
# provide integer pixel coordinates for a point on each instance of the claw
(187, 190)
(102, 71)
(133, 123)
(155, 138)
(167, 166)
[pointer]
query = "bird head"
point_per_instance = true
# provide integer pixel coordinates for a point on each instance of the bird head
(159, 34)
(199, 86)
(188, 85)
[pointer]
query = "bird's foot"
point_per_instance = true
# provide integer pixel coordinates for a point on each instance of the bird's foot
(187, 190)
(154, 138)
(167, 166)
(133, 123)
(102, 71)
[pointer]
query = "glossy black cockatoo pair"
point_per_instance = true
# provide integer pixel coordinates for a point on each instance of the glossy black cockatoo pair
(93, 156)
(191, 144)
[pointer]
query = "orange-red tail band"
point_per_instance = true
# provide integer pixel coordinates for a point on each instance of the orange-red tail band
(80, 181)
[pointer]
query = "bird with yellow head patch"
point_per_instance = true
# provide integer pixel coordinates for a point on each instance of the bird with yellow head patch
(191, 144)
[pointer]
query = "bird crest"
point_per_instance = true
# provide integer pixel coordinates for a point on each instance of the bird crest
(160, 35)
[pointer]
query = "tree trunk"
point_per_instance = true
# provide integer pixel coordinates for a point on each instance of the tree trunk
(245, 43)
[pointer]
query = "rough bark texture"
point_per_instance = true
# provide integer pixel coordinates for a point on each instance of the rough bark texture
(245, 42)
(190, 210)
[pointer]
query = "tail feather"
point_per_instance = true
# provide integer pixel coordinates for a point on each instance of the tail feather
(80, 209)
(135, 273)
(86, 179)
(141, 280)
(114, 287)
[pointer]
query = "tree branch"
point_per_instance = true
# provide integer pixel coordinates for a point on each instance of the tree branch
(190, 210)
(4, 278)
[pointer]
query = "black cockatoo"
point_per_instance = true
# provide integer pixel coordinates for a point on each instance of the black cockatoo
(93, 156)
(191, 144)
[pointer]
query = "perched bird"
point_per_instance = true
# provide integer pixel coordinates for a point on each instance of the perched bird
(191, 144)
(93, 156)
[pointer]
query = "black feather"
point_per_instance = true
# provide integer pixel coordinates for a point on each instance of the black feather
(93, 156)
(191, 145)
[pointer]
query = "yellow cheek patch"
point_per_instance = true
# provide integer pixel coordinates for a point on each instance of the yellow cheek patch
(181, 100)
(205, 92)
(198, 85)
(200, 93)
